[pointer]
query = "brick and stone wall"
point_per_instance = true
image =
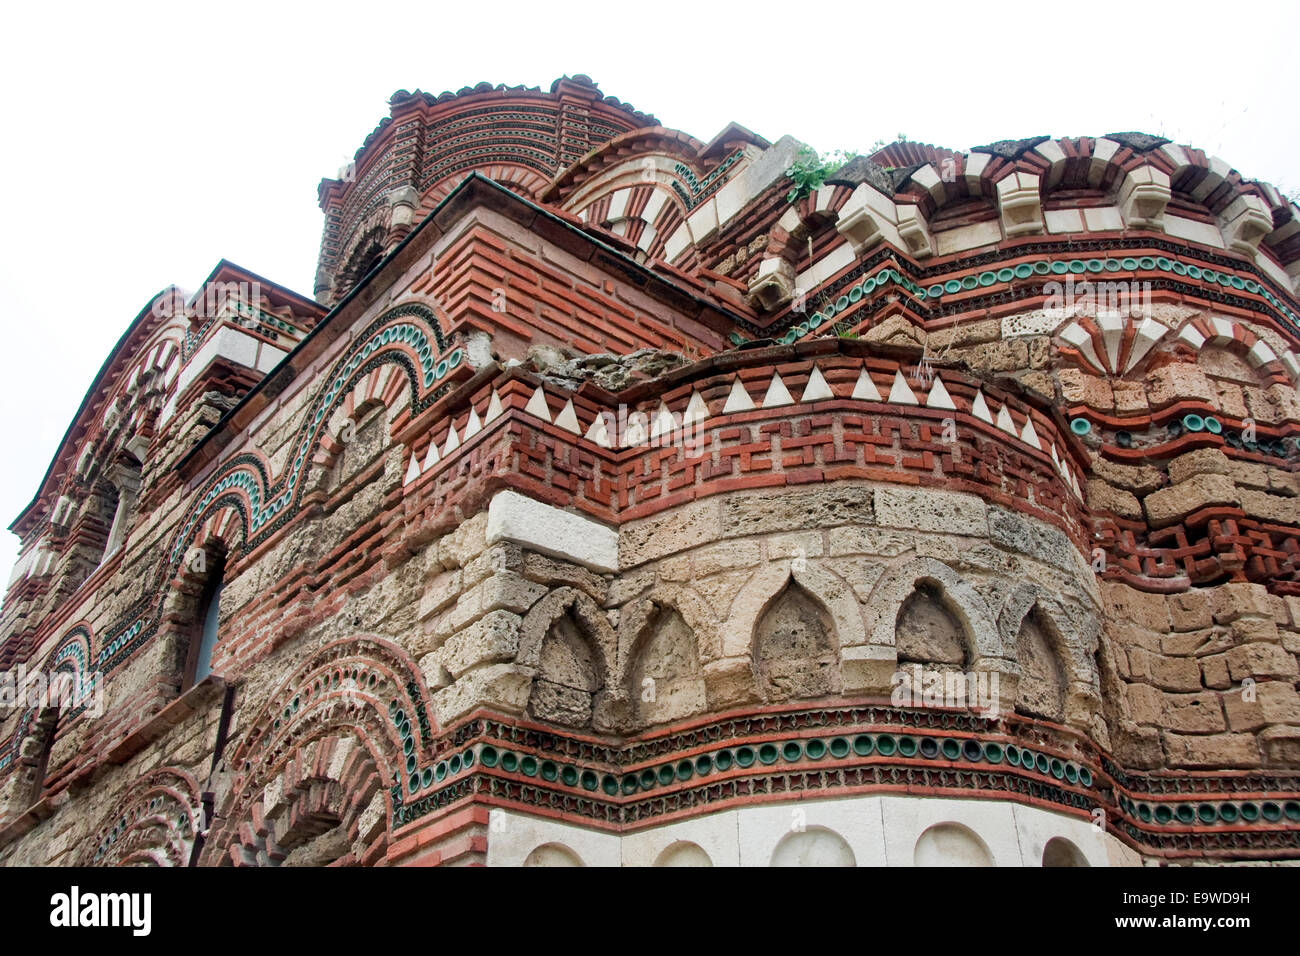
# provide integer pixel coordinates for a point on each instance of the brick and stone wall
(637, 512)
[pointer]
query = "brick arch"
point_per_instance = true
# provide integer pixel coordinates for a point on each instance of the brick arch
(524, 180)
(154, 823)
(354, 689)
(1210, 330)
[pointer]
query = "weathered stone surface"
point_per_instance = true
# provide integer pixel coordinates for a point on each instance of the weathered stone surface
(926, 510)
(1275, 702)
(674, 531)
(1268, 507)
(1106, 497)
(859, 540)
(1202, 461)
(926, 631)
(1189, 611)
(768, 512)
(491, 639)
(1212, 751)
(1239, 599)
(1124, 603)
(500, 685)
(1139, 479)
(1078, 387)
(1178, 382)
(1260, 661)
(1170, 505)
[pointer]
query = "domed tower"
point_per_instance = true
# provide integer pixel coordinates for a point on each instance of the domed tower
(642, 500)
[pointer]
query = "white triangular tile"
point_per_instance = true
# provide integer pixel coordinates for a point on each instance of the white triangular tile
(663, 423)
(696, 410)
(453, 441)
(738, 400)
(537, 406)
(634, 433)
(865, 389)
(980, 408)
(412, 471)
(567, 419)
(1005, 422)
(900, 393)
(939, 397)
(598, 433)
(1029, 436)
(816, 390)
(493, 409)
(431, 458)
(777, 394)
(473, 426)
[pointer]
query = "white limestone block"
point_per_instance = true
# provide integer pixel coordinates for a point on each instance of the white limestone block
(548, 530)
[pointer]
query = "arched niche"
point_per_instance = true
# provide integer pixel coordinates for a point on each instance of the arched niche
(683, 853)
(568, 675)
(1061, 852)
(665, 680)
(927, 632)
(951, 844)
(795, 648)
(553, 854)
(815, 846)
(1041, 690)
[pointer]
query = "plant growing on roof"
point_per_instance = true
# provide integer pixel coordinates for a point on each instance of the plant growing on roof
(808, 171)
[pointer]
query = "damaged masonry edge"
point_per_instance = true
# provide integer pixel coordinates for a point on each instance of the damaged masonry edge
(544, 528)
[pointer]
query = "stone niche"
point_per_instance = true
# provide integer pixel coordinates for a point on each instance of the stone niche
(1041, 688)
(666, 681)
(795, 647)
(927, 632)
(568, 676)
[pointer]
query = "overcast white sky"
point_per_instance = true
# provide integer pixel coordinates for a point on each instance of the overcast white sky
(144, 143)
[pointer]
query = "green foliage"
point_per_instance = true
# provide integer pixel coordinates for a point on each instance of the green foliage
(809, 172)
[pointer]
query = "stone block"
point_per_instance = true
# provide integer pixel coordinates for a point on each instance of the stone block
(1190, 611)
(1202, 461)
(1239, 599)
(1178, 382)
(1260, 661)
(1214, 672)
(1275, 702)
(1171, 505)
(494, 638)
(927, 510)
(497, 685)
(560, 534)
(1139, 479)
(1106, 497)
(1268, 507)
(799, 510)
(1214, 751)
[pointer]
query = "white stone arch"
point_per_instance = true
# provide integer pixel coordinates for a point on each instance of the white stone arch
(553, 854)
(609, 703)
(1077, 633)
(813, 846)
(895, 586)
(686, 601)
(736, 636)
(870, 668)
(951, 844)
(684, 853)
